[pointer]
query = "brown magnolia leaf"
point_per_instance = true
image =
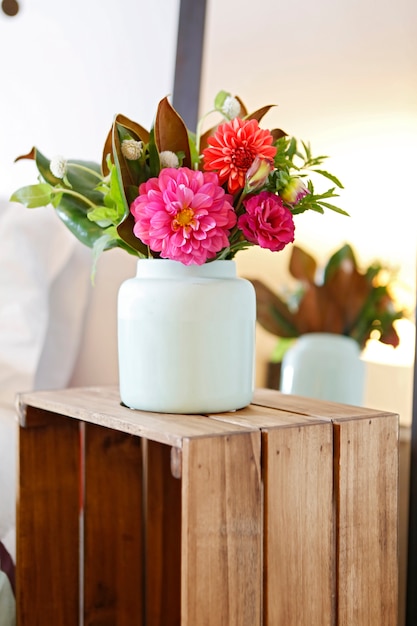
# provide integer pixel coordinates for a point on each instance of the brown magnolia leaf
(316, 313)
(349, 289)
(390, 336)
(30, 155)
(302, 265)
(277, 133)
(107, 149)
(171, 132)
(125, 231)
(126, 174)
(260, 113)
(136, 131)
(308, 316)
(243, 110)
(332, 318)
(272, 313)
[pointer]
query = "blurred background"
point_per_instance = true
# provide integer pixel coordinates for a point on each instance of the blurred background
(342, 74)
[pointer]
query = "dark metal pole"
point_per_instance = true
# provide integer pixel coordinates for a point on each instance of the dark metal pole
(411, 610)
(186, 96)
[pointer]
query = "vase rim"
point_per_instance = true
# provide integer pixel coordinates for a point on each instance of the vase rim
(320, 336)
(216, 268)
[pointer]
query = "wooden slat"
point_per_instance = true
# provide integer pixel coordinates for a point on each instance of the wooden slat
(214, 543)
(311, 406)
(101, 406)
(366, 484)
(163, 539)
(47, 572)
(221, 576)
(254, 416)
(299, 552)
(113, 579)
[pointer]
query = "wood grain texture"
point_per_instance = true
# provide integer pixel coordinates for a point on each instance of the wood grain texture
(221, 578)
(163, 539)
(299, 581)
(113, 581)
(282, 513)
(312, 407)
(47, 536)
(366, 485)
(101, 406)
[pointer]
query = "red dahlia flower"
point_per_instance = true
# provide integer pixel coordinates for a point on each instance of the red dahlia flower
(233, 148)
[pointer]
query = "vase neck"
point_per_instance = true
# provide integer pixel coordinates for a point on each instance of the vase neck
(157, 268)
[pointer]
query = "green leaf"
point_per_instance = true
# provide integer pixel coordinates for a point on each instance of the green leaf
(307, 150)
(220, 98)
(84, 177)
(42, 163)
(102, 214)
(345, 253)
(292, 148)
(332, 207)
(154, 164)
(331, 177)
(33, 196)
(76, 220)
(281, 347)
(193, 150)
(113, 209)
(105, 242)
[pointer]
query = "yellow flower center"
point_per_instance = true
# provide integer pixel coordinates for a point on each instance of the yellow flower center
(184, 218)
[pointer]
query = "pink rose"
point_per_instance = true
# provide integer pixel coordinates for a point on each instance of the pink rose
(267, 222)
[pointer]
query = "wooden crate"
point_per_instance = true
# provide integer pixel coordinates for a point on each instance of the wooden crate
(283, 513)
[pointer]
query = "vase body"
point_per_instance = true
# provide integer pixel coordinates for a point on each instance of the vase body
(325, 366)
(186, 338)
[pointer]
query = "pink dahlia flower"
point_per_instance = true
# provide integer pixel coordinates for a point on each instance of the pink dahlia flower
(267, 222)
(234, 147)
(183, 214)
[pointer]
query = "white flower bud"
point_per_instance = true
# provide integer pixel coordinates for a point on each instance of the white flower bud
(231, 107)
(131, 149)
(58, 166)
(168, 159)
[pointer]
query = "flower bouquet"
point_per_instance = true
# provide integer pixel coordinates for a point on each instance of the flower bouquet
(186, 196)
(192, 200)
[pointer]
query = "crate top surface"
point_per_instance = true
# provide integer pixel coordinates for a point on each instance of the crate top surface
(102, 406)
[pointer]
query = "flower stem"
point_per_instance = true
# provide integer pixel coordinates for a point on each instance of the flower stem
(199, 127)
(75, 194)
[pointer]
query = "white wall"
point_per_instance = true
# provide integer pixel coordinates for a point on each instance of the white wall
(344, 77)
(68, 67)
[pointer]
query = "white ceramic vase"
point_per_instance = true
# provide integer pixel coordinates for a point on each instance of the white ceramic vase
(325, 366)
(186, 338)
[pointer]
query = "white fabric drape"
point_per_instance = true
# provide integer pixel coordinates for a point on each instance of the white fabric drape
(44, 289)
